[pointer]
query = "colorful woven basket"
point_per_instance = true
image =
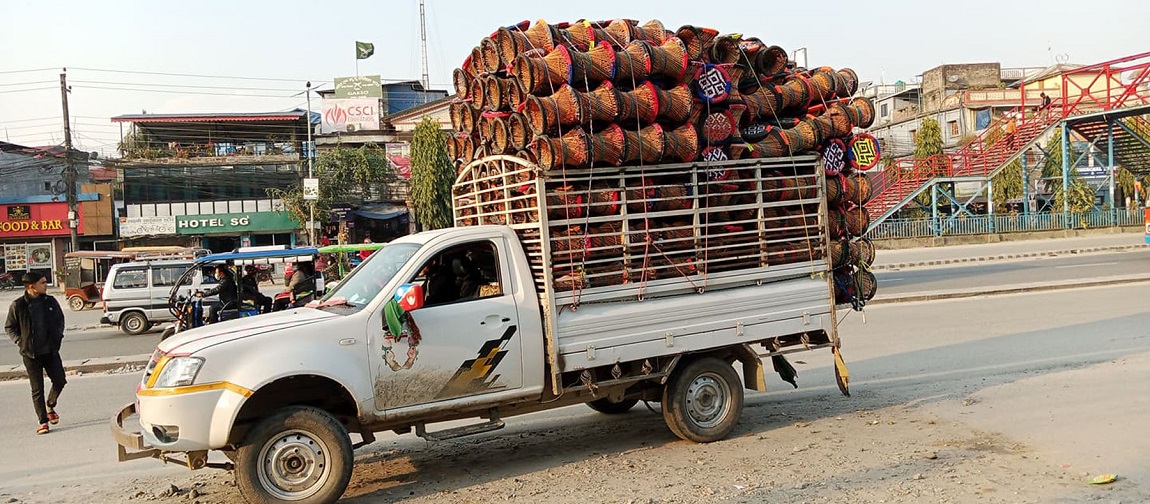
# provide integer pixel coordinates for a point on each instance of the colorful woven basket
(695, 38)
(570, 150)
(594, 66)
(540, 36)
(518, 131)
(668, 59)
(680, 144)
(546, 114)
(599, 106)
(633, 63)
(607, 146)
(641, 104)
(538, 73)
(674, 104)
(645, 145)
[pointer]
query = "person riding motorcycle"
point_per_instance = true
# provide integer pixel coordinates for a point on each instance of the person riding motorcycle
(228, 291)
(250, 289)
(301, 287)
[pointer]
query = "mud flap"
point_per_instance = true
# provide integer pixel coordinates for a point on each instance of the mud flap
(842, 375)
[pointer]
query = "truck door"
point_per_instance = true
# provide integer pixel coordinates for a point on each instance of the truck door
(465, 340)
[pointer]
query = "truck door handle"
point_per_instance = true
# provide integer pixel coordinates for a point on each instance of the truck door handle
(503, 319)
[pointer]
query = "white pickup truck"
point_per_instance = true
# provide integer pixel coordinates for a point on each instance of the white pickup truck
(650, 285)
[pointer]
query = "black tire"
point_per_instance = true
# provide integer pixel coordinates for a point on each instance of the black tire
(77, 303)
(134, 323)
(608, 407)
(272, 465)
(168, 332)
(703, 400)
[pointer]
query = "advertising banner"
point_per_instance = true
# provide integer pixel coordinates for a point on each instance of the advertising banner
(235, 223)
(144, 226)
(364, 86)
(350, 114)
(36, 219)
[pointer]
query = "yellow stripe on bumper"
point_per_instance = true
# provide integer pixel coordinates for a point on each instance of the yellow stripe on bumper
(156, 392)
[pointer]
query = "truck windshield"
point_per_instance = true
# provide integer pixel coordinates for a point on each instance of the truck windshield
(366, 280)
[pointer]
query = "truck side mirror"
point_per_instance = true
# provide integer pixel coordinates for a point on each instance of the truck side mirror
(409, 296)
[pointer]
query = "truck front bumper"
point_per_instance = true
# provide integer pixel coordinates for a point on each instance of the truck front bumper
(132, 445)
(130, 440)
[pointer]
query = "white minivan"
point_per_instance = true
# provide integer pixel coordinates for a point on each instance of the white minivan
(136, 293)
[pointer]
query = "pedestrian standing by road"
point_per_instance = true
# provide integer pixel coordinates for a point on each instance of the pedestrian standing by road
(36, 324)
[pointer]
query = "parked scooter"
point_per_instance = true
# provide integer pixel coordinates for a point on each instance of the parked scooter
(7, 282)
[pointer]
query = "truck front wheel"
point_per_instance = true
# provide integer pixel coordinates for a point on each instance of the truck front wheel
(703, 400)
(299, 454)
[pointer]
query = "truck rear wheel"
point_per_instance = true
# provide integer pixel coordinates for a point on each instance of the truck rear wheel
(703, 400)
(609, 407)
(77, 303)
(299, 454)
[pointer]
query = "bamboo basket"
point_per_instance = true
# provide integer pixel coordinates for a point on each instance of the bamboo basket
(695, 38)
(570, 150)
(674, 104)
(536, 73)
(668, 59)
(594, 66)
(642, 104)
(680, 144)
(607, 146)
(645, 145)
(633, 64)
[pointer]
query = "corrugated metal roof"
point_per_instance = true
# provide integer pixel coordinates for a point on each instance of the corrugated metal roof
(294, 115)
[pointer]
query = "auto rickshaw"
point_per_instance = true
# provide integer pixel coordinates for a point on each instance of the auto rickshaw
(85, 270)
(346, 257)
(84, 273)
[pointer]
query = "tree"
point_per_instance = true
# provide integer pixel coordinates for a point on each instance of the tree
(1081, 195)
(432, 176)
(928, 141)
(347, 176)
(1007, 183)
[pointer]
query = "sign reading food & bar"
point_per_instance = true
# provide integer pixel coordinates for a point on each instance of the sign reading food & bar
(36, 219)
(248, 222)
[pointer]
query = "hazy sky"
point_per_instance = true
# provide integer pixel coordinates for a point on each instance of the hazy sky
(276, 46)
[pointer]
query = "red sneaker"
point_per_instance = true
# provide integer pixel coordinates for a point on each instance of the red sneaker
(43, 429)
(53, 417)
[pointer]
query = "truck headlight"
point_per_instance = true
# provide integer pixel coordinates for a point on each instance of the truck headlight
(179, 372)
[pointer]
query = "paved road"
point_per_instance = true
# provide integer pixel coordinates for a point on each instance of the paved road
(86, 338)
(1064, 378)
(1032, 270)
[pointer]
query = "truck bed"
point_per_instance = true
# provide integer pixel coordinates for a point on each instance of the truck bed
(646, 261)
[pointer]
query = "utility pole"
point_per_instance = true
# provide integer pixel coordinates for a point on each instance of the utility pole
(308, 152)
(423, 45)
(69, 166)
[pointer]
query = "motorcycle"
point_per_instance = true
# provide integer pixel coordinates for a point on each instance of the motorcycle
(189, 312)
(8, 282)
(264, 274)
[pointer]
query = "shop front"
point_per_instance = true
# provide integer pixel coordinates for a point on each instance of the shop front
(222, 232)
(34, 237)
(228, 231)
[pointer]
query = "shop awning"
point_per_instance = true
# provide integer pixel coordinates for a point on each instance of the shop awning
(382, 211)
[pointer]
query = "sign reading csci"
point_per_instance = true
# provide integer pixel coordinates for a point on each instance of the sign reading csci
(350, 115)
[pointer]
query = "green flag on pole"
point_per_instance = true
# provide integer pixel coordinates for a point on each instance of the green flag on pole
(364, 50)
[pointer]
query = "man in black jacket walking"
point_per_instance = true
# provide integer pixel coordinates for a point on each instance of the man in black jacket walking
(36, 324)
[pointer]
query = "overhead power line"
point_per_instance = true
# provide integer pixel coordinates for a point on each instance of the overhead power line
(205, 93)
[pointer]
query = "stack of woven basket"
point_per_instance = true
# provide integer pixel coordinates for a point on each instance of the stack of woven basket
(593, 94)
